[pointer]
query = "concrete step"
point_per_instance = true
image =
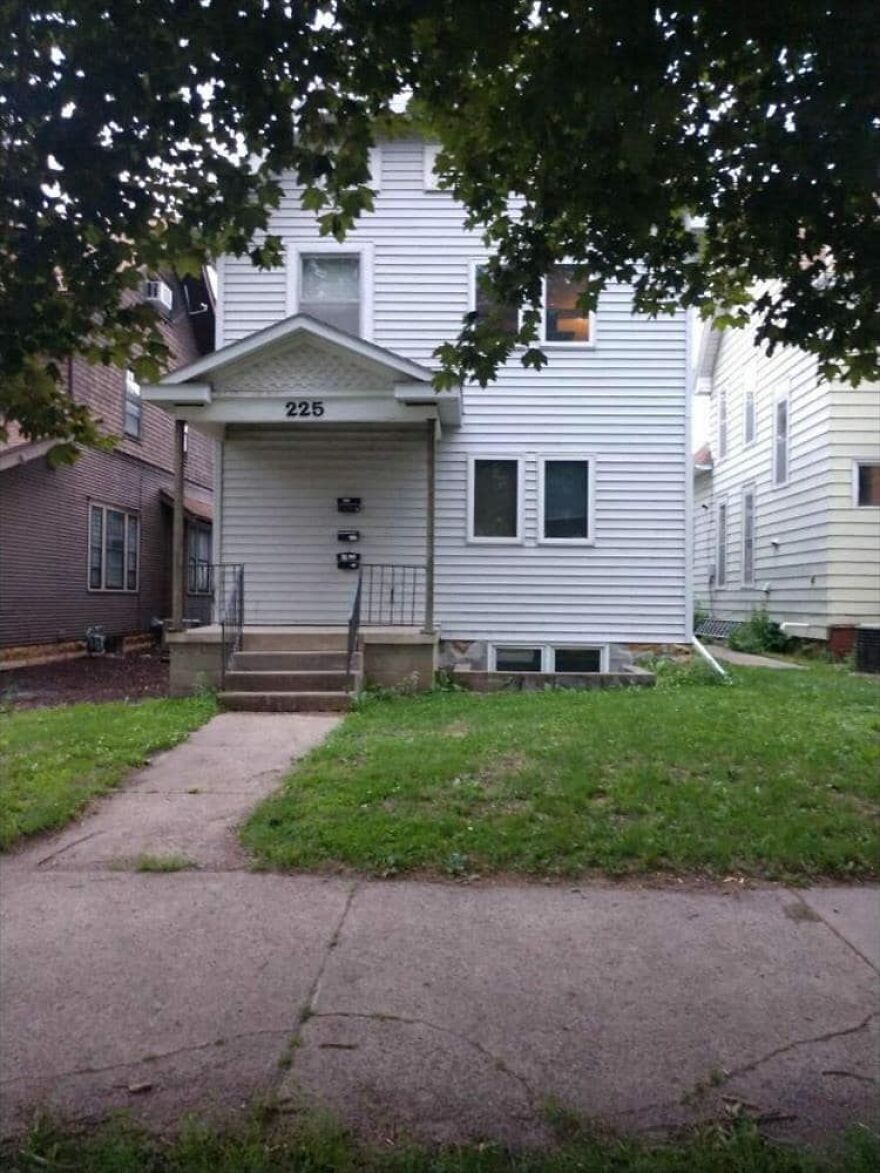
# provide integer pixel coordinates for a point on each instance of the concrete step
(293, 661)
(238, 681)
(285, 639)
(285, 702)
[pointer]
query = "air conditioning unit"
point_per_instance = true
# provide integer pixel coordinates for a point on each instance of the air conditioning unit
(158, 294)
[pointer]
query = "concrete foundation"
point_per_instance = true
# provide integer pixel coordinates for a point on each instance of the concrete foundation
(404, 659)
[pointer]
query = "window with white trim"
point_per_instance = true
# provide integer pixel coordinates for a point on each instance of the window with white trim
(866, 486)
(566, 499)
(562, 319)
(721, 545)
(487, 307)
(574, 658)
(748, 535)
(133, 406)
(113, 549)
(722, 421)
(781, 437)
(495, 506)
(198, 559)
(330, 289)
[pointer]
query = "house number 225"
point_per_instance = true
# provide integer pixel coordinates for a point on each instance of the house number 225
(304, 408)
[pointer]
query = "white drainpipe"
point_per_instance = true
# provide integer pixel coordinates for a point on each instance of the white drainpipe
(708, 657)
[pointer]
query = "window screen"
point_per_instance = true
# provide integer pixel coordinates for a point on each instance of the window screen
(566, 499)
(748, 520)
(330, 290)
(780, 463)
(496, 499)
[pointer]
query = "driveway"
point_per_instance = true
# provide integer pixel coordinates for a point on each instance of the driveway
(452, 1010)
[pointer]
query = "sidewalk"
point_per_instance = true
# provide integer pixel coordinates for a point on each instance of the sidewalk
(454, 1011)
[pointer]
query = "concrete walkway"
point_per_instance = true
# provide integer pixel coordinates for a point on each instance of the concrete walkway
(454, 1011)
(750, 660)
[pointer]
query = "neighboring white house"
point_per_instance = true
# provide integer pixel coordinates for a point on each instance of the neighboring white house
(787, 492)
(545, 519)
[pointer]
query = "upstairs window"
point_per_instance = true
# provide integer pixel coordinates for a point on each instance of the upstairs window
(749, 410)
(505, 317)
(330, 289)
(113, 549)
(748, 535)
(722, 421)
(721, 546)
(566, 500)
(867, 483)
(563, 319)
(781, 441)
(133, 406)
(495, 500)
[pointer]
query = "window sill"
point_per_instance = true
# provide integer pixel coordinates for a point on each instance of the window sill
(113, 590)
(496, 541)
(579, 542)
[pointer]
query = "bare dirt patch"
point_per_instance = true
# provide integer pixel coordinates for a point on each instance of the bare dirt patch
(89, 678)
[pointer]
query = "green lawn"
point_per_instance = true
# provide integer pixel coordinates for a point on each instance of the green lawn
(52, 761)
(776, 775)
(321, 1147)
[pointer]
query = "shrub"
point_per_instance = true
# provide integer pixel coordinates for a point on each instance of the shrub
(759, 634)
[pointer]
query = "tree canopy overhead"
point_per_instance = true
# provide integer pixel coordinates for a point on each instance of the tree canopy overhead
(150, 134)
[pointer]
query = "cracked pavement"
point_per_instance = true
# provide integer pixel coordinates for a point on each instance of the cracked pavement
(451, 1011)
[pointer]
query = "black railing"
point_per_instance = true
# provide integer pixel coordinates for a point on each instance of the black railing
(228, 582)
(393, 595)
(354, 623)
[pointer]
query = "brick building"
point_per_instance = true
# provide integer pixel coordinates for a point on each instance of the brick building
(90, 543)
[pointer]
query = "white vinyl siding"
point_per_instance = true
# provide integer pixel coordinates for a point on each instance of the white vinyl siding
(622, 400)
(722, 422)
(817, 554)
(280, 519)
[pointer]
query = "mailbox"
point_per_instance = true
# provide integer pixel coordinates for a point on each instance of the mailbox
(348, 560)
(348, 504)
(348, 535)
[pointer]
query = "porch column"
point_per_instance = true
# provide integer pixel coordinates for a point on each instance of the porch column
(177, 557)
(429, 527)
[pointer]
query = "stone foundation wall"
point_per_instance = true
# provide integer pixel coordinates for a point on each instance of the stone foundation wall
(473, 655)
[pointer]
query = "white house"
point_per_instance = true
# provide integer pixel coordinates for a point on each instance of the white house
(538, 525)
(787, 493)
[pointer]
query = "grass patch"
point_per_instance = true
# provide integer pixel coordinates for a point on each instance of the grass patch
(52, 761)
(154, 863)
(319, 1147)
(776, 775)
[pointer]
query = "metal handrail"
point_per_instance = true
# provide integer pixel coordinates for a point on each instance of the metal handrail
(229, 596)
(354, 623)
(394, 594)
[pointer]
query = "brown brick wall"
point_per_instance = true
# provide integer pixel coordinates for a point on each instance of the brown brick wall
(44, 514)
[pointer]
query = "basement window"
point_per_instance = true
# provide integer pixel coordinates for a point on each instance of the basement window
(577, 659)
(523, 659)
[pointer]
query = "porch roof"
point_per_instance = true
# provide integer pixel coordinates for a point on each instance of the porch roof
(200, 392)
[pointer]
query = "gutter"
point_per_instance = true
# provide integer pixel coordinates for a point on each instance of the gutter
(708, 657)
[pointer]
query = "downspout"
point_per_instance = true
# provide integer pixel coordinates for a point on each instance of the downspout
(708, 657)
